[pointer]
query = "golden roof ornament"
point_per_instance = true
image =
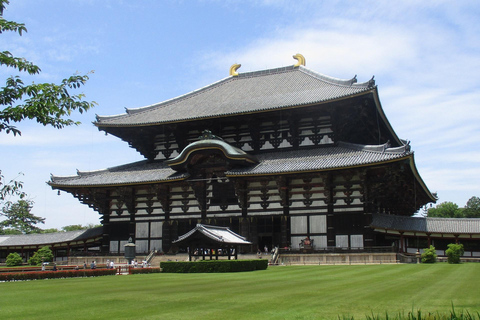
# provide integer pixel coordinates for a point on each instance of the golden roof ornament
(233, 69)
(301, 60)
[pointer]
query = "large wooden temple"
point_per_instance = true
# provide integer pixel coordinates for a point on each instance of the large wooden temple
(276, 155)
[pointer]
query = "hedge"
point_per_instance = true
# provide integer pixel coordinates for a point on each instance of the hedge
(17, 276)
(211, 266)
(144, 270)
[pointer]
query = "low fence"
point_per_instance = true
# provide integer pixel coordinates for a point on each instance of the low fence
(337, 258)
(325, 250)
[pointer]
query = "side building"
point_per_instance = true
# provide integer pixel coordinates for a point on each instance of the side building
(276, 155)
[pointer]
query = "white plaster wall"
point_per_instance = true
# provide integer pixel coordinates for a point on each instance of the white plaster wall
(298, 224)
(318, 224)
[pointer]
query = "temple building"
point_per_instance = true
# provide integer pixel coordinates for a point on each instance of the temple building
(278, 156)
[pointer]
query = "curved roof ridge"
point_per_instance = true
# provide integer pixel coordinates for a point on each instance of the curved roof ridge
(130, 111)
(265, 72)
(342, 82)
(349, 84)
(381, 148)
(54, 178)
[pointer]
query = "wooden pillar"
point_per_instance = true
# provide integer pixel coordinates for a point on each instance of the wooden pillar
(402, 240)
(329, 199)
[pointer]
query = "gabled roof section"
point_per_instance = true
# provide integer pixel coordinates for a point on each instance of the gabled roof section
(221, 235)
(249, 92)
(211, 143)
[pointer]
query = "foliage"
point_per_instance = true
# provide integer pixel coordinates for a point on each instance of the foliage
(429, 255)
(13, 260)
(445, 210)
(9, 231)
(47, 103)
(9, 189)
(418, 315)
(454, 252)
(18, 216)
(43, 254)
(17, 276)
(472, 208)
(451, 210)
(209, 266)
(144, 270)
(49, 230)
(73, 227)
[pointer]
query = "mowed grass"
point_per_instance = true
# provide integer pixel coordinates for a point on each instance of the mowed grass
(282, 292)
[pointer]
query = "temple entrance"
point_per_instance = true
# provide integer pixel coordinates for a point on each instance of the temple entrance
(265, 241)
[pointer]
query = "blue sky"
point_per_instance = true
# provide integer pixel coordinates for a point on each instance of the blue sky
(425, 56)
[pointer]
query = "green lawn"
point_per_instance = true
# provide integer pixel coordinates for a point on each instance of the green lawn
(283, 292)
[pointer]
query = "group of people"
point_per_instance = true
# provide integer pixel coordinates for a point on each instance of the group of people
(110, 264)
(134, 264)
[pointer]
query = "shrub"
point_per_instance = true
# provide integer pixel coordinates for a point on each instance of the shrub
(43, 254)
(14, 259)
(16, 276)
(144, 270)
(210, 266)
(454, 252)
(429, 255)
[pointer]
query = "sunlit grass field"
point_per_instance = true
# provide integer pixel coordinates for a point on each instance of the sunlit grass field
(281, 292)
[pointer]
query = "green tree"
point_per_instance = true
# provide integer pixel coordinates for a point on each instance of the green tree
(73, 227)
(9, 231)
(50, 230)
(472, 208)
(454, 252)
(47, 103)
(43, 254)
(18, 216)
(445, 210)
(13, 260)
(429, 255)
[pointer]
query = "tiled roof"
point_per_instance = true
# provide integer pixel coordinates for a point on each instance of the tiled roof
(49, 238)
(341, 156)
(218, 234)
(426, 225)
(248, 92)
(326, 158)
(137, 172)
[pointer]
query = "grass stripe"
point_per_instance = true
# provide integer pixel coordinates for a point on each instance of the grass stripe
(283, 292)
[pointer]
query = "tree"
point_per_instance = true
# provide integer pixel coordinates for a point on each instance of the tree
(429, 255)
(472, 208)
(47, 103)
(43, 254)
(18, 216)
(13, 260)
(445, 210)
(73, 227)
(454, 252)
